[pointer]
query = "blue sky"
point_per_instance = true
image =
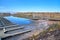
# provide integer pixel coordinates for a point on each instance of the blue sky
(29, 5)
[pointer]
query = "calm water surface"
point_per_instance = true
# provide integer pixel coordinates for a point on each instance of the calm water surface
(17, 20)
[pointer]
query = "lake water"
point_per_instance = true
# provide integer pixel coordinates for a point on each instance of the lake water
(17, 20)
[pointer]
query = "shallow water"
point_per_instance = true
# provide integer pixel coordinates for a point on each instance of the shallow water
(17, 20)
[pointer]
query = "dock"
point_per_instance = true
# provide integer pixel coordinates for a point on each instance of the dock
(8, 29)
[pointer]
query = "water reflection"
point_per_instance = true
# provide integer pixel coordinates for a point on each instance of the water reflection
(17, 20)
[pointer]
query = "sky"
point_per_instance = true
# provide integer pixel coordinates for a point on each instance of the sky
(29, 5)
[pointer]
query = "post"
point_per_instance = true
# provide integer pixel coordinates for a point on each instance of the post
(1, 32)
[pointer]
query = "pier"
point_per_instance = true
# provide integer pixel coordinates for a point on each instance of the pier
(8, 29)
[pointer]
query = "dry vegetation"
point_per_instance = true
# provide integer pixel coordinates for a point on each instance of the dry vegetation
(38, 14)
(54, 29)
